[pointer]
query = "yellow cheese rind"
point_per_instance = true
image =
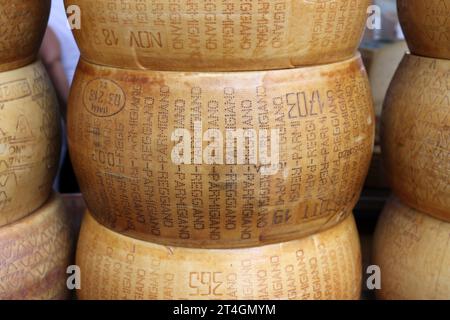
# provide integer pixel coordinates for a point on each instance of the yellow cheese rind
(415, 133)
(323, 266)
(413, 251)
(122, 151)
(35, 253)
(426, 25)
(23, 24)
(216, 35)
(29, 141)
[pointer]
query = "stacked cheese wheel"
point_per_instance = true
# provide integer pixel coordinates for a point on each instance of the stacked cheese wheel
(34, 229)
(23, 26)
(221, 147)
(412, 246)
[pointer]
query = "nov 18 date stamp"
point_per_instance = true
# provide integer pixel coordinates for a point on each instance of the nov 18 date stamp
(225, 310)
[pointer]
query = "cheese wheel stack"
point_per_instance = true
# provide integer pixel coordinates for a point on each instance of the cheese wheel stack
(203, 133)
(35, 236)
(416, 149)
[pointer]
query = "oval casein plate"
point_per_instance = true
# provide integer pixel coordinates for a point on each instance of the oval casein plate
(103, 98)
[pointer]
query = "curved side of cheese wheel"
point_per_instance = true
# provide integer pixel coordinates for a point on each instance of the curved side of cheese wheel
(29, 141)
(130, 133)
(415, 135)
(426, 25)
(413, 252)
(323, 266)
(216, 35)
(35, 253)
(23, 24)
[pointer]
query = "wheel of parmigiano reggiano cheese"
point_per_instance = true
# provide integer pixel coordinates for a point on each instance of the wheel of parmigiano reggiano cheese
(426, 25)
(415, 133)
(29, 141)
(322, 266)
(221, 160)
(413, 252)
(217, 35)
(35, 253)
(22, 25)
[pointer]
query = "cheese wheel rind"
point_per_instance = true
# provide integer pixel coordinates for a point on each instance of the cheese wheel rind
(35, 253)
(213, 35)
(23, 24)
(323, 266)
(426, 25)
(121, 125)
(412, 250)
(29, 141)
(415, 131)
